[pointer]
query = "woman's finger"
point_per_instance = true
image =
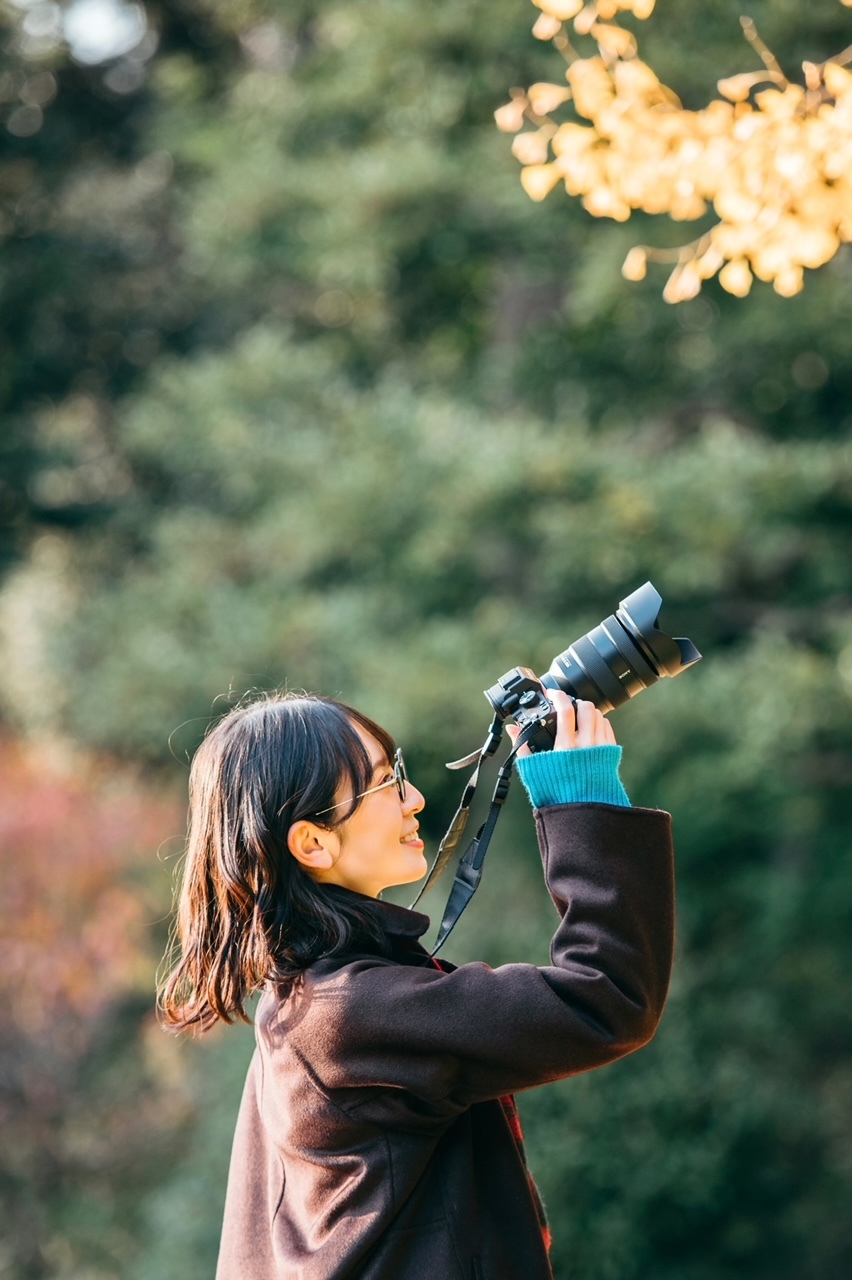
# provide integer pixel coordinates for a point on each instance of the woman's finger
(585, 723)
(513, 732)
(578, 724)
(566, 720)
(591, 725)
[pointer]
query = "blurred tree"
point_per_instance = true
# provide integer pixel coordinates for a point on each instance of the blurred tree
(91, 1098)
(91, 287)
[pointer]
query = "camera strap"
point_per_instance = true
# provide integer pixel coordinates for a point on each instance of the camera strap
(455, 831)
(469, 870)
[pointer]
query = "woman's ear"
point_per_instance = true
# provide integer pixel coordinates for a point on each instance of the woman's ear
(312, 846)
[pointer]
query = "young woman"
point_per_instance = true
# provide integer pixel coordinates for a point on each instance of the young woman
(377, 1136)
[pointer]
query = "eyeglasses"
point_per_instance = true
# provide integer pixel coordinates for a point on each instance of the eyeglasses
(399, 780)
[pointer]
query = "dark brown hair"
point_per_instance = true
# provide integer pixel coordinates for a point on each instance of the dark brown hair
(247, 911)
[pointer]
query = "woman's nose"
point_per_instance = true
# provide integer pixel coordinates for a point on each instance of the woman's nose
(414, 799)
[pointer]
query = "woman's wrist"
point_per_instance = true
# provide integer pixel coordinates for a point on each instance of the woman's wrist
(584, 775)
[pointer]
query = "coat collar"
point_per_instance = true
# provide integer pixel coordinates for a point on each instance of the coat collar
(398, 922)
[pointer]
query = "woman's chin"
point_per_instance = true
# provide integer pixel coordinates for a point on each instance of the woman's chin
(416, 871)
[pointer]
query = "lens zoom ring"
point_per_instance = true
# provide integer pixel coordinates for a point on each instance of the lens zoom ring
(630, 652)
(596, 669)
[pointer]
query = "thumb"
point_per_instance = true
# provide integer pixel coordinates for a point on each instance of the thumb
(514, 733)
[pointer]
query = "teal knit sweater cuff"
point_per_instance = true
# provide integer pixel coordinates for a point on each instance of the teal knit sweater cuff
(586, 775)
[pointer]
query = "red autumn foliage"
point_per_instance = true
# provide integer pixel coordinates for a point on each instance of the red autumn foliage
(77, 919)
(89, 1096)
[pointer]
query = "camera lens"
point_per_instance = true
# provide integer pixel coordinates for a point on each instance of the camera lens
(622, 656)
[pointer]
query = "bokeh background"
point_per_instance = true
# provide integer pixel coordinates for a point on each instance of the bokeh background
(298, 386)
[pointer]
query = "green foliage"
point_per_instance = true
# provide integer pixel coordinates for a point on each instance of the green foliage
(304, 529)
(89, 270)
(697, 1163)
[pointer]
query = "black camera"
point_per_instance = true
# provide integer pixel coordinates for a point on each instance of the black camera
(611, 664)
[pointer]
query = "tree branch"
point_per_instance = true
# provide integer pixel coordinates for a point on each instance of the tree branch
(765, 54)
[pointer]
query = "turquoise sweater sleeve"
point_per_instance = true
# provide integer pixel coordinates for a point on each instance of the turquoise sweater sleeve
(586, 775)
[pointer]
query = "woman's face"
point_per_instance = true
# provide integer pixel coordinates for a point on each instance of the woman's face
(379, 845)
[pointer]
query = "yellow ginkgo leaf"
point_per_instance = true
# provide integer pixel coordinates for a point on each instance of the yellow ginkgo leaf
(539, 179)
(585, 20)
(570, 139)
(789, 282)
(736, 278)
(709, 262)
(603, 202)
(715, 119)
(782, 106)
(683, 283)
(546, 27)
(635, 79)
(613, 39)
(564, 10)
(533, 148)
(769, 258)
(738, 88)
(581, 173)
(734, 205)
(592, 85)
(657, 197)
(838, 81)
(735, 240)
(814, 245)
(545, 98)
(635, 264)
(687, 208)
(510, 118)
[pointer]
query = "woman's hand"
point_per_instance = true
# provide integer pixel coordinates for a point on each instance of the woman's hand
(588, 727)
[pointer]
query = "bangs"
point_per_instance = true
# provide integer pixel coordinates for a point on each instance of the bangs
(291, 756)
(319, 740)
(353, 767)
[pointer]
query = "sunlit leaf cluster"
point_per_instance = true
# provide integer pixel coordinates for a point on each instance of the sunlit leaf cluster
(771, 158)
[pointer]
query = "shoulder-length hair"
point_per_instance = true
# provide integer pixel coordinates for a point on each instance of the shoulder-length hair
(247, 911)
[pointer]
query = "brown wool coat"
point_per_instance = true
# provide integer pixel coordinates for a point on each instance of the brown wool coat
(371, 1142)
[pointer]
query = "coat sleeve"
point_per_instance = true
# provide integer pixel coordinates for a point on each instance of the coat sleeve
(446, 1040)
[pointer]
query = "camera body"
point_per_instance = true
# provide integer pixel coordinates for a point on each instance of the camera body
(608, 666)
(519, 695)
